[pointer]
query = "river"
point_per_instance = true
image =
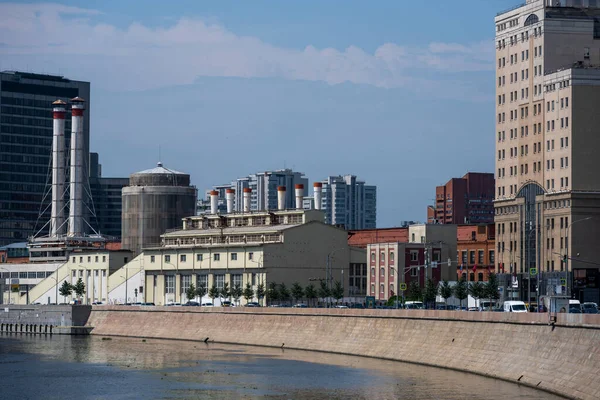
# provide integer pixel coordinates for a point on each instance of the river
(91, 367)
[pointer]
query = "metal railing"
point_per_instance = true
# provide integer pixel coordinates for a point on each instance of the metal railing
(511, 9)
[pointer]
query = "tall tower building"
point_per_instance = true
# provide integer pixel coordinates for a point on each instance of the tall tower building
(547, 195)
(349, 202)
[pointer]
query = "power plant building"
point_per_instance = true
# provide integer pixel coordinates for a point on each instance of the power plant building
(155, 201)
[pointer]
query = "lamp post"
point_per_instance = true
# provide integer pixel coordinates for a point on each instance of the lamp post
(260, 266)
(570, 292)
(329, 274)
(528, 264)
(397, 284)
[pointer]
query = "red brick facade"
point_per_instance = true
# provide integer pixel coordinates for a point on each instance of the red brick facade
(476, 248)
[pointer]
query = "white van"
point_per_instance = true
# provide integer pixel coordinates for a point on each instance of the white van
(574, 304)
(514, 306)
(414, 305)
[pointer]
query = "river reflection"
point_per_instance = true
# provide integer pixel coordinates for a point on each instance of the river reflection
(64, 367)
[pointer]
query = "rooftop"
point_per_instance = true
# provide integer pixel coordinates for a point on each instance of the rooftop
(160, 169)
(238, 230)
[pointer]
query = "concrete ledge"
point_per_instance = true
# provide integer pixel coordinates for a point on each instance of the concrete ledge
(563, 359)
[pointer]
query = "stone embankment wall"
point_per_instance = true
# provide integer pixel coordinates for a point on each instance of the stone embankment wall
(524, 348)
(43, 319)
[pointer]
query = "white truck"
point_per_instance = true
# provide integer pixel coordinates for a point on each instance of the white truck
(514, 306)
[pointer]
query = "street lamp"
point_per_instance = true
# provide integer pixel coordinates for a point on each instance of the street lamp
(397, 284)
(569, 292)
(260, 266)
(328, 272)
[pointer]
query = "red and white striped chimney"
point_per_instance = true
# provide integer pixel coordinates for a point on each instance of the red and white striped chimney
(76, 178)
(229, 195)
(318, 194)
(299, 195)
(57, 216)
(214, 202)
(247, 197)
(281, 197)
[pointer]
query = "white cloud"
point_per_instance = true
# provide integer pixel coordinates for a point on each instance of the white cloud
(140, 57)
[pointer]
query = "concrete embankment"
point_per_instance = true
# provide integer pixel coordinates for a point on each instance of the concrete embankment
(523, 348)
(44, 319)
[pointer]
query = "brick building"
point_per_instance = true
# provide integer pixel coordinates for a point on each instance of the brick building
(476, 248)
(361, 238)
(464, 200)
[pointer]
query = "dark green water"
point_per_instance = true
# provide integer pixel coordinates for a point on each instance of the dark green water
(64, 367)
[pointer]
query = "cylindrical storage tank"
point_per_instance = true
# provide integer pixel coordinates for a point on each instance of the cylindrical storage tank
(281, 197)
(247, 197)
(229, 195)
(299, 195)
(318, 194)
(155, 201)
(214, 202)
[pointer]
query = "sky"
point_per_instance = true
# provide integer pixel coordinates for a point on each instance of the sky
(399, 93)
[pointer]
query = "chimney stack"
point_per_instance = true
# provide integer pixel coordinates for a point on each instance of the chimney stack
(299, 195)
(281, 197)
(214, 202)
(57, 216)
(76, 178)
(318, 193)
(229, 194)
(247, 197)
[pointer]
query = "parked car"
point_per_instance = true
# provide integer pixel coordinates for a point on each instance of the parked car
(227, 303)
(171, 304)
(207, 304)
(299, 306)
(575, 304)
(252, 304)
(341, 306)
(147, 304)
(191, 304)
(414, 305)
(589, 308)
(574, 310)
(98, 303)
(358, 305)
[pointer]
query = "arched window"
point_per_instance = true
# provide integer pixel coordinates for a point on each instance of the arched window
(532, 19)
(392, 256)
(464, 276)
(373, 272)
(373, 257)
(392, 289)
(382, 257)
(382, 271)
(480, 277)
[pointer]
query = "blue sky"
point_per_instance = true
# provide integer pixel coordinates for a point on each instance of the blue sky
(399, 93)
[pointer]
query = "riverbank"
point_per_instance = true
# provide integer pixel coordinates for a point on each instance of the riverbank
(523, 348)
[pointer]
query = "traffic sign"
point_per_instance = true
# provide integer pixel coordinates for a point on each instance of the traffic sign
(403, 286)
(532, 271)
(563, 281)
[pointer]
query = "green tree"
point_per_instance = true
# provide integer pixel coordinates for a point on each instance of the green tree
(477, 290)
(260, 292)
(213, 293)
(66, 289)
(237, 292)
(338, 291)
(461, 291)
(430, 293)
(201, 291)
(414, 292)
(272, 293)
(190, 292)
(491, 288)
(225, 292)
(324, 291)
(392, 301)
(79, 288)
(446, 291)
(297, 292)
(311, 293)
(248, 292)
(284, 292)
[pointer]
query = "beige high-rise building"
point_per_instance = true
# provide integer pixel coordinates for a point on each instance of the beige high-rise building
(547, 202)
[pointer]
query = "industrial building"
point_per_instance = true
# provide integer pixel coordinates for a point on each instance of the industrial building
(155, 201)
(547, 200)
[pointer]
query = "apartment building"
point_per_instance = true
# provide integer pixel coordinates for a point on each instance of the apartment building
(547, 195)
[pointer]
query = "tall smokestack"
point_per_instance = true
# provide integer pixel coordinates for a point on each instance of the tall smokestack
(57, 216)
(214, 202)
(318, 192)
(281, 197)
(299, 195)
(247, 196)
(229, 194)
(76, 183)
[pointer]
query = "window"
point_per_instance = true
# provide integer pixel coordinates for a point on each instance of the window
(413, 272)
(169, 284)
(182, 258)
(373, 272)
(464, 257)
(103, 258)
(216, 257)
(219, 281)
(382, 257)
(414, 255)
(152, 259)
(382, 271)
(233, 256)
(472, 257)
(491, 256)
(167, 258)
(96, 259)
(198, 257)
(392, 256)
(80, 259)
(89, 259)
(202, 281)
(186, 281)
(250, 256)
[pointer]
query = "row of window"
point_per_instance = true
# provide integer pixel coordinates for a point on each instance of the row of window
(556, 204)
(199, 257)
(219, 281)
(513, 40)
(564, 143)
(25, 275)
(89, 259)
(561, 85)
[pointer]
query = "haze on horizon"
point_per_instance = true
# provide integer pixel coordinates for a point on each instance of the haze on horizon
(401, 95)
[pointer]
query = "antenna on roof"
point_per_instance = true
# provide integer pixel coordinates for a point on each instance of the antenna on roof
(159, 158)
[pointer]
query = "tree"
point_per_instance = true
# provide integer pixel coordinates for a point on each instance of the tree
(236, 292)
(477, 290)
(491, 288)
(284, 292)
(324, 291)
(430, 293)
(461, 291)
(272, 293)
(190, 293)
(213, 293)
(201, 291)
(225, 293)
(297, 292)
(248, 293)
(414, 292)
(338, 291)
(79, 288)
(65, 290)
(446, 291)
(310, 292)
(260, 292)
